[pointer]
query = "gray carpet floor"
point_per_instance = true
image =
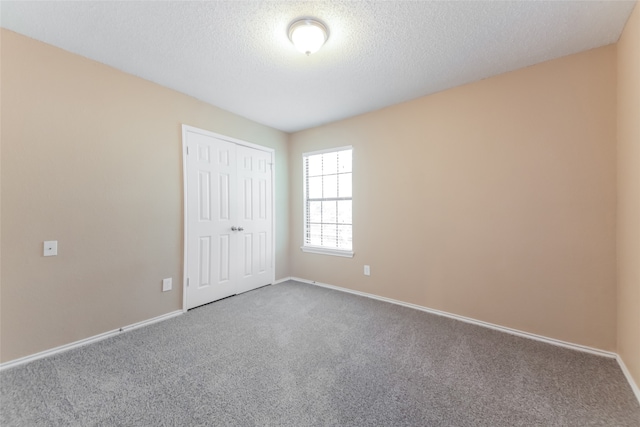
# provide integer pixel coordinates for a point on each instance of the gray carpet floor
(299, 355)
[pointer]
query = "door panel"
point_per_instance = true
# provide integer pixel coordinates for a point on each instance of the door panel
(210, 208)
(254, 176)
(229, 247)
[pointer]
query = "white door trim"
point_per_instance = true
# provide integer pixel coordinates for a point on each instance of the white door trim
(185, 129)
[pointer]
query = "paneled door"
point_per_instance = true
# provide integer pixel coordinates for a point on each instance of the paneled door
(254, 218)
(229, 217)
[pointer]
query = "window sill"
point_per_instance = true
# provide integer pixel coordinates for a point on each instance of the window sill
(327, 251)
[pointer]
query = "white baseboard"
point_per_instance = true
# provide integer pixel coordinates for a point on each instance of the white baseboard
(96, 338)
(90, 340)
(629, 378)
(505, 329)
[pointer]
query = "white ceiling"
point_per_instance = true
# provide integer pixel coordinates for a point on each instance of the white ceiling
(236, 54)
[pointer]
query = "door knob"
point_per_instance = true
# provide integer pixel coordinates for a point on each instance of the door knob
(240, 228)
(234, 228)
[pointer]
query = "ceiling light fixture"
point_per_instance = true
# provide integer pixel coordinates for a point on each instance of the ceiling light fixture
(308, 35)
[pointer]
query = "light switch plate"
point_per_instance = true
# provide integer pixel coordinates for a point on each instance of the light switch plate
(50, 248)
(166, 284)
(367, 270)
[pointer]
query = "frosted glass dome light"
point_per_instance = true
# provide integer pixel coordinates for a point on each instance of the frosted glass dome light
(308, 35)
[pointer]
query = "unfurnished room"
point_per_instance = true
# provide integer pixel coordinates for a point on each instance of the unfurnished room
(320, 213)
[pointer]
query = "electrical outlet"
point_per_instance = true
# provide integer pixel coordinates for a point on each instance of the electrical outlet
(166, 284)
(367, 270)
(50, 248)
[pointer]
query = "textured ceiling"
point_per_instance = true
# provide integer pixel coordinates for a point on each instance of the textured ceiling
(236, 55)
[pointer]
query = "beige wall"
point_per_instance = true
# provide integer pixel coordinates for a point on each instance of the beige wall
(91, 157)
(629, 195)
(494, 200)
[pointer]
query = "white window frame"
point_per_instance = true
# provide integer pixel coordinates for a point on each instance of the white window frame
(320, 249)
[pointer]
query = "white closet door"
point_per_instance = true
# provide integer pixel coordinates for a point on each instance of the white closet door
(254, 218)
(211, 209)
(229, 218)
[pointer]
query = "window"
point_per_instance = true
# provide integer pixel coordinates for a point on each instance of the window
(327, 202)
